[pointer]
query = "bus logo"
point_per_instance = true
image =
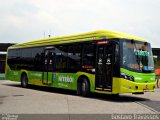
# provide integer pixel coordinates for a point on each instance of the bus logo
(66, 79)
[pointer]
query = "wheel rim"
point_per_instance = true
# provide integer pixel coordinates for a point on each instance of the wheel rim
(24, 81)
(83, 87)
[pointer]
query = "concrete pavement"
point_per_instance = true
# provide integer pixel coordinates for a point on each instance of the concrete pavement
(41, 100)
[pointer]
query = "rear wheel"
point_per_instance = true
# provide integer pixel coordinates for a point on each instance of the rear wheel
(24, 81)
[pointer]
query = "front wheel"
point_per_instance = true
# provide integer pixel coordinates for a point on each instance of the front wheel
(85, 87)
(24, 81)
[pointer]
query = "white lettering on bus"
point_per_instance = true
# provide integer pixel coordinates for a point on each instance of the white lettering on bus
(62, 85)
(65, 79)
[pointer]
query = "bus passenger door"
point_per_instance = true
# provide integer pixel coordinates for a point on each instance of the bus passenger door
(104, 67)
(47, 76)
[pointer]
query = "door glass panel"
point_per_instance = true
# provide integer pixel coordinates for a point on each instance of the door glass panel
(100, 60)
(109, 61)
(48, 66)
(104, 67)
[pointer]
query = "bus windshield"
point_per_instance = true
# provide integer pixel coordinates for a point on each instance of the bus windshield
(137, 56)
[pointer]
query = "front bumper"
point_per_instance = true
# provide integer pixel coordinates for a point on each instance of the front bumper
(127, 86)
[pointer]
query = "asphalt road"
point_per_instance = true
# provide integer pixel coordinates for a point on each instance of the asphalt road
(42, 100)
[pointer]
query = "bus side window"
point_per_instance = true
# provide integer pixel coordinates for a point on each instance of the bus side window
(74, 57)
(61, 57)
(38, 58)
(88, 55)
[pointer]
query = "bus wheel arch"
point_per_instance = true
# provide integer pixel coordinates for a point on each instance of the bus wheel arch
(83, 86)
(24, 80)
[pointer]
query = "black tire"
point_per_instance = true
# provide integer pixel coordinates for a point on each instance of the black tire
(85, 88)
(79, 88)
(24, 81)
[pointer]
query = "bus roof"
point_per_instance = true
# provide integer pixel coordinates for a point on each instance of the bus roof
(95, 35)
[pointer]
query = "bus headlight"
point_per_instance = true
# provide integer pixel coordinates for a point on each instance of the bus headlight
(128, 77)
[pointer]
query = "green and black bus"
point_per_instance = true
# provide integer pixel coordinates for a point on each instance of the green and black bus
(101, 61)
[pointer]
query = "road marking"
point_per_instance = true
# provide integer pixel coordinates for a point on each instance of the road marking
(150, 108)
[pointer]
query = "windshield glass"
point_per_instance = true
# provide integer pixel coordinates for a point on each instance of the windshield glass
(137, 56)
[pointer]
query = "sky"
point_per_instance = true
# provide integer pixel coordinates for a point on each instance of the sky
(25, 20)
